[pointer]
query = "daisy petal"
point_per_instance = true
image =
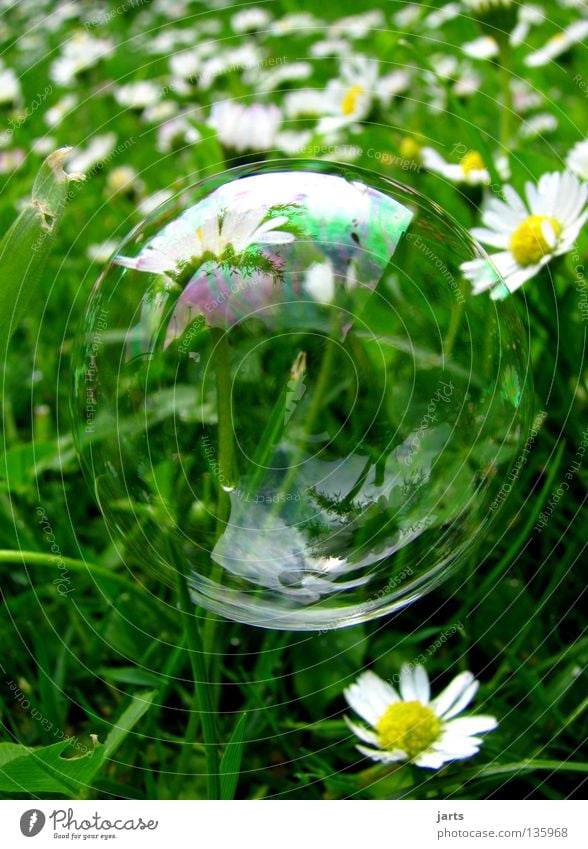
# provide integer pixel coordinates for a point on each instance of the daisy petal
(421, 684)
(471, 725)
(463, 701)
(363, 733)
(370, 696)
(430, 760)
(452, 693)
(381, 755)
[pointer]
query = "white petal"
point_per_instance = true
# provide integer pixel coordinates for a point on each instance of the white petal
(515, 280)
(363, 733)
(457, 751)
(276, 237)
(382, 755)
(452, 693)
(463, 701)
(470, 725)
(430, 760)
(490, 237)
(406, 684)
(370, 696)
(421, 684)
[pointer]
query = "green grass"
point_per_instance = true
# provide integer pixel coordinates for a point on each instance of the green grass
(75, 662)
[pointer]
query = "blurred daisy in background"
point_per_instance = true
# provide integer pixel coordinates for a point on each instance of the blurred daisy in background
(528, 235)
(240, 127)
(412, 726)
(484, 47)
(470, 169)
(538, 125)
(97, 150)
(528, 16)
(138, 95)
(349, 97)
(176, 133)
(251, 19)
(80, 53)
(55, 115)
(9, 86)
(558, 44)
(577, 159)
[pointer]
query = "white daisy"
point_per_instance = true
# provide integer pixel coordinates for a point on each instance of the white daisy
(151, 202)
(538, 125)
(264, 79)
(305, 102)
(9, 86)
(11, 160)
(245, 56)
(527, 235)
(524, 97)
(182, 244)
(327, 47)
(577, 159)
(484, 47)
(407, 15)
(241, 127)
(357, 26)
(411, 726)
(124, 180)
(470, 170)
(558, 44)
(296, 23)
(54, 116)
(138, 95)
(177, 132)
(81, 52)
(98, 149)
(441, 16)
(350, 95)
(529, 16)
(101, 252)
(292, 142)
(250, 19)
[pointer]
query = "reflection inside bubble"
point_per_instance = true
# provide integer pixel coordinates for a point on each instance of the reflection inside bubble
(296, 388)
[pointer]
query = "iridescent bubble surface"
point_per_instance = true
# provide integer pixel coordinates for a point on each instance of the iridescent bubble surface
(283, 382)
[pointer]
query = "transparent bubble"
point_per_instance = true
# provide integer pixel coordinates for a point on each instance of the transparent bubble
(283, 380)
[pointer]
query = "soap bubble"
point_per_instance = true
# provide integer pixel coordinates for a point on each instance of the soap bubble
(283, 381)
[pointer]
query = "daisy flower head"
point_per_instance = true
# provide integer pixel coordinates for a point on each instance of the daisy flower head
(411, 726)
(470, 169)
(484, 47)
(527, 235)
(181, 245)
(350, 95)
(558, 44)
(241, 127)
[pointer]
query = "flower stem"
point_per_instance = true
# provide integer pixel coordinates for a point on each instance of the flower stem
(506, 106)
(202, 694)
(222, 362)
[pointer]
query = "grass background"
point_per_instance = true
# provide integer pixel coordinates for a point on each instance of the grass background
(73, 664)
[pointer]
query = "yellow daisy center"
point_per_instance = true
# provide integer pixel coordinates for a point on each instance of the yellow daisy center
(409, 726)
(349, 101)
(472, 161)
(528, 243)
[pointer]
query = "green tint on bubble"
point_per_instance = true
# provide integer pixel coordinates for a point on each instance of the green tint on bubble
(283, 380)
